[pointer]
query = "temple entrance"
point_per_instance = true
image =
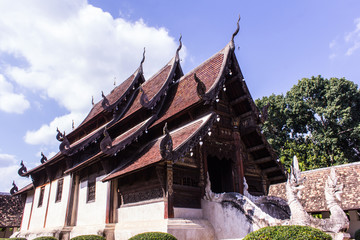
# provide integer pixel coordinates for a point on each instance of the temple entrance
(220, 174)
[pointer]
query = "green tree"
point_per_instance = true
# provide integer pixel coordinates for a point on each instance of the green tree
(318, 120)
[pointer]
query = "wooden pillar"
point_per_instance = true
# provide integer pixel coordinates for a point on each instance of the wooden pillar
(72, 205)
(240, 155)
(111, 202)
(169, 200)
(203, 170)
(47, 204)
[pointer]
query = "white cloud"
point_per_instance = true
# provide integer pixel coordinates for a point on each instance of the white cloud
(7, 159)
(45, 135)
(10, 101)
(73, 51)
(9, 166)
(353, 38)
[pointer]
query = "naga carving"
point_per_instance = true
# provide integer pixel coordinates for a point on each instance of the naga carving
(22, 170)
(106, 143)
(338, 221)
(200, 88)
(14, 189)
(65, 144)
(144, 100)
(166, 144)
(43, 158)
(105, 102)
(252, 212)
(264, 210)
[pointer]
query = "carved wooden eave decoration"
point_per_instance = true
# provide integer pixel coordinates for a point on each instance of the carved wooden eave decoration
(14, 189)
(22, 170)
(28, 187)
(43, 158)
(184, 138)
(166, 144)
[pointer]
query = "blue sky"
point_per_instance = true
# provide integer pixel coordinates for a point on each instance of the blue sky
(55, 55)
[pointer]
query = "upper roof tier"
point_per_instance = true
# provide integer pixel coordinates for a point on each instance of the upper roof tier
(115, 126)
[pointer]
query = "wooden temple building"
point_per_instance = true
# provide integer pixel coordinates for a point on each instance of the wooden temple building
(139, 160)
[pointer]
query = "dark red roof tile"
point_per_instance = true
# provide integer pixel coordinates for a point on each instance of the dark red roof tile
(186, 95)
(151, 87)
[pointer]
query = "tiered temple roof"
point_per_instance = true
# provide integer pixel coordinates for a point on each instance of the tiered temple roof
(124, 131)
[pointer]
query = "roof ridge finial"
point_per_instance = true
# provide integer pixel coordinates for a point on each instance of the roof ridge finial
(180, 46)
(236, 32)
(142, 61)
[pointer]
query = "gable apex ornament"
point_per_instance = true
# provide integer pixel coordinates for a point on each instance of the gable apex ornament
(142, 61)
(235, 33)
(179, 48)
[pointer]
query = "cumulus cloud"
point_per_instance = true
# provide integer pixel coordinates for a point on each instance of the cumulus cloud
(353, 38)
(10, 101)
(73, 51)
(45, 135)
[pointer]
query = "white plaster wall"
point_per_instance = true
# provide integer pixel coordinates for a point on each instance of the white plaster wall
(57, 210)
(144, 212)
(92, 213)
(27, 210)
(38, 213)
(228, 222)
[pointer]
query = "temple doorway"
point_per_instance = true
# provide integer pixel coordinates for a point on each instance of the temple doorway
(220, 172)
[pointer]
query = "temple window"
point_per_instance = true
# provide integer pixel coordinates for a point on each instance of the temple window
(59, 190)
(41, 197)
(91, 190)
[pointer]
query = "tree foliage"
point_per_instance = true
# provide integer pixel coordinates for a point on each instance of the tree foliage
(318, 120)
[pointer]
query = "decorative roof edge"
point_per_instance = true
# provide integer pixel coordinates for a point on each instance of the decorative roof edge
(195, 138)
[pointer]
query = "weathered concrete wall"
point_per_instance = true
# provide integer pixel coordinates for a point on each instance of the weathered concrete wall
(228, 221)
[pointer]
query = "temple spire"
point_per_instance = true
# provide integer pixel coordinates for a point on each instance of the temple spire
(235, 33)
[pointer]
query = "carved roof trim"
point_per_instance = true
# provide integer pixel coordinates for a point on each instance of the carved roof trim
(183, 139)
(155, 88)
(211, 73)
(115, 97)
(129, 136)
(84, 163)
